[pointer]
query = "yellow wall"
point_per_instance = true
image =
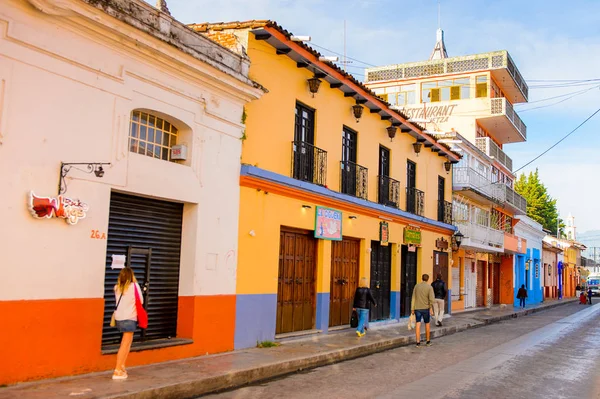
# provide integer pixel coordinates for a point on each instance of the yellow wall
(264, 214)
(270, 130)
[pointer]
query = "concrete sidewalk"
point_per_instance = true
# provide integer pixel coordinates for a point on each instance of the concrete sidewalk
(197, 376)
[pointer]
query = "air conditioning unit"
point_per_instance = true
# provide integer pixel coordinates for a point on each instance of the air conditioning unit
(179, 152)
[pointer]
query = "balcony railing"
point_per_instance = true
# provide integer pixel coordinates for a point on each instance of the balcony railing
(389, 191)
(476, 235)
(497, 61)
(469, 178)
(487, 145)
(415, 201)
(500, 106)
(444, 211)
(354, 179)
(509, 196)
(309, 163)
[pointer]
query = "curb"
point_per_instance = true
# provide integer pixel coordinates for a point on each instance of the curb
(238, 379)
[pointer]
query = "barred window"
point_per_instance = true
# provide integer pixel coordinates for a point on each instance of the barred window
(151, 136)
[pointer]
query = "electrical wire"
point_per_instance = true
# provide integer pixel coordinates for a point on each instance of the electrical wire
(559, 141)
(342, 55)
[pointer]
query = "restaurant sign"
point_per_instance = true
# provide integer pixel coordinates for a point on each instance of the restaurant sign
(412, 235)
(328, 224)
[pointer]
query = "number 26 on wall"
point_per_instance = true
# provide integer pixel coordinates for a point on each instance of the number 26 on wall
(97, 235)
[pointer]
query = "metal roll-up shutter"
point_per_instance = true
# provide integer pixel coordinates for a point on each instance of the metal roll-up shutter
(148, 233)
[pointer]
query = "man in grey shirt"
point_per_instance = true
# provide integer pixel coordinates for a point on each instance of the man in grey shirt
(422, 307)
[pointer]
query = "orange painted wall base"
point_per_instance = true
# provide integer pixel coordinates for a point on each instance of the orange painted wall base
(55, 338)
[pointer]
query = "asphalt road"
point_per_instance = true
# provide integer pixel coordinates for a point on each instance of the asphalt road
(550, 354)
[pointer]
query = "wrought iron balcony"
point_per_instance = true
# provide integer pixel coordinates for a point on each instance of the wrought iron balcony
(354, 179)
(511, 198)
(503, 122)
(468, 179)
(444, 211)
(309, 163)
(415, 201)
(389, 191)
(480, 237)
(499, 63)
(487, 145)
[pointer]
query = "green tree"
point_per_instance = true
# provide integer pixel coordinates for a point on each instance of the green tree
(541, 207)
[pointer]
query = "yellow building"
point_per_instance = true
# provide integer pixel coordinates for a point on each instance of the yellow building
(467, 101)
(335, 185)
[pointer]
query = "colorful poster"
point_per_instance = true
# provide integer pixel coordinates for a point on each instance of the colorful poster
(384, 233)
(328, 224)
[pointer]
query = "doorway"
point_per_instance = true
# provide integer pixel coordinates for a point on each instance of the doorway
(344, 280)
(381, 270)
(296, 282)
(408, 278)
(440, 266)
(481, 283)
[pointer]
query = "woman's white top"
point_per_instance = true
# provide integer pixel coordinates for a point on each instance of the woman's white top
(126, 309)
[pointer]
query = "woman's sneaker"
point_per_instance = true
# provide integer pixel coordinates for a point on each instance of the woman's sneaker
(119, 375)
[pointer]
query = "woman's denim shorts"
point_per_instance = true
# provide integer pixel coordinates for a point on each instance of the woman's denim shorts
(126, 325)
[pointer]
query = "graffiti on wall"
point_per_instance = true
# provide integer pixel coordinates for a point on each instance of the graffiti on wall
(59, 207)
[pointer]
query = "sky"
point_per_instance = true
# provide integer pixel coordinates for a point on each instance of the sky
(550, 41)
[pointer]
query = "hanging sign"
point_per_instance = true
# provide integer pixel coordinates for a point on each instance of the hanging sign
(441, 244)
(328, 224)
(60, 207)
(384, 233)
(412, 235)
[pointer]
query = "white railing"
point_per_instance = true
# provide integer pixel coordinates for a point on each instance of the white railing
(480, 236)
(501, 106)
(508, 195)
(466, 177)
(463, 64)
(487, 146)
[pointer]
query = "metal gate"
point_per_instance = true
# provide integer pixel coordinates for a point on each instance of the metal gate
(344, 280)
(408, 279)
(296, 282)
(148, 233)
(381, 270)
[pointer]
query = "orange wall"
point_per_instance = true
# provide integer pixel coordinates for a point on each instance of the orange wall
(53, 338)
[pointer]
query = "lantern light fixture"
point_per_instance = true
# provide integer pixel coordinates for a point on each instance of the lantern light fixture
(313, 85)
(457, 238)
(357, 110)
(90, 167)
(447, 166)
(391, 131)
(417, 147)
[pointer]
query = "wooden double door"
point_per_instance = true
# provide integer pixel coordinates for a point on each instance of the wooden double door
(408, 279)
(381, 270)
(344, 280)
(296, 282)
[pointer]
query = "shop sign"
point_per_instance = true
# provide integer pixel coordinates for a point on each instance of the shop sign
(384, 233)
(441, 244)
(60, 207)
(412, 235)
(328, 224)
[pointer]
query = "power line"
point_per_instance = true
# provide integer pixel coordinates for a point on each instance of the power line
(559, 141)
(340, 54)
(561, 101)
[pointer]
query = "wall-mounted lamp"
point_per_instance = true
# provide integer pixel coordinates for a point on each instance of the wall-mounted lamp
(357, 110)
(447, 166)
(306, 206)
(313, 85)
(417, 147)
(352, 217)
(252, 233)
(90, 167)
(391, 131)
(457, 240)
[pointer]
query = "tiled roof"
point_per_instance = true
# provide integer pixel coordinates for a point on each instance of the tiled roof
(213, 30)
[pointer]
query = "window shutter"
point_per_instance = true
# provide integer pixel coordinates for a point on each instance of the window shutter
(455, 93)
(481, 90)
(435, 95)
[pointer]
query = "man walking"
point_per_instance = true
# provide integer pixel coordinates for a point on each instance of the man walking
(590, 295)
(439, 291)
(421, 306)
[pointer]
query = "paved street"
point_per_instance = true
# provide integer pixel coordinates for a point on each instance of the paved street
(551, 354)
